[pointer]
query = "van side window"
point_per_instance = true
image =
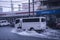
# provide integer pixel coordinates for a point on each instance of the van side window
(31, 20)
(43, 20)
(17, 21)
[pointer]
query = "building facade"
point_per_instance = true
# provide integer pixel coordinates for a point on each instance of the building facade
(25, 6)
(52, 11)
(50, 4)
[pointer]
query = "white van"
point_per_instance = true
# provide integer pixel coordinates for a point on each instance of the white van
(31, 23)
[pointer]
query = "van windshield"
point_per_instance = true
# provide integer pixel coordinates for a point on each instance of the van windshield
(31, 20)
(17, 21)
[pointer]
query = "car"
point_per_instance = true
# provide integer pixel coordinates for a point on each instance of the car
(4, 23)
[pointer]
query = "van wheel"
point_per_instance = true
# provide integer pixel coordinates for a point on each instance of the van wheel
(39, 31)
(31, 29)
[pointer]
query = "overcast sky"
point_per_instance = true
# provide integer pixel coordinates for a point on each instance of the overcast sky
(7, 5)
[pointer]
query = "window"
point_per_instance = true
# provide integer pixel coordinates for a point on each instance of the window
(44, 2)
(43, 20)
(17, 21)
(31, 20)
(55, 4)
(58, 20)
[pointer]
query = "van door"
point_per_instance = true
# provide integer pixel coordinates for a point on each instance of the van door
(43, 23)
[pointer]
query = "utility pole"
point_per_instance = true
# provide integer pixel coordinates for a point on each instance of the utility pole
(29, 6)
(33, 6)
(19, 7)
(12, 9)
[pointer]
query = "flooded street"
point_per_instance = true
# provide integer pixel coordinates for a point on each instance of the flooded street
(48, 34)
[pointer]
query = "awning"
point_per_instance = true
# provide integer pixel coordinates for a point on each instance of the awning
(56, 11)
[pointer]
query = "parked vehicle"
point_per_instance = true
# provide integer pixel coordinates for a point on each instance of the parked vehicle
(58, 23)
(31, 23)
(4, 23)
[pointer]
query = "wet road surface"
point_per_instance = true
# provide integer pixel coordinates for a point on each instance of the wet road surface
(6, 34)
